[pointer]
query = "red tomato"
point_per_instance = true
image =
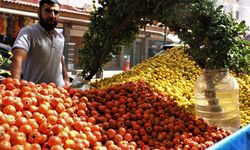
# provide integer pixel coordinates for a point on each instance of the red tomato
(9, 109)
(3, 119)
(57, 147)
(60, 108)
(5, 145)
(18, 138)
(25, 89)
(79, 146)
(52, 119)
(18, 105)
(25, 128)
(43, 138)
(8, 100)
(111, 133)
(122, 131)
(34, 137)
(10, 86)
(17, 147)
(21, 121)
(45, 128)
(57, 128)
(54, 140)
(69, 143)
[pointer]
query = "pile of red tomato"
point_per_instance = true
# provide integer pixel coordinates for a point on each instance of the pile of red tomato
(126, 116)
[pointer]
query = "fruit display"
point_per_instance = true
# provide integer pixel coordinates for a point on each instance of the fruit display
(173, 72)
(125, 116)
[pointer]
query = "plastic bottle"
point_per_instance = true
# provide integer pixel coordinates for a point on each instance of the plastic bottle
(216, 95)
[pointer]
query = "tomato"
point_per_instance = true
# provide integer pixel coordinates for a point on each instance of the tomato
(43, 138)
(10, 86)
(62, 121)
(40, 118)
(27, 114)
(70, 110)
(72, 91)
(69, 143)
(79, 146)
(113, 147)
(68, 101)
(16, 82)
(52, 112)
(81, 113)
(4, 136)
(10, 120)
(52, 84)
(9, 109)
(55, 102)
(52, 119)
(25, 89)
(26, 102)
(35, 146)
(34, 137)
(98, 135)
(44, 92)
(6, 126)
(63, 135)
(57, 147)
(8, 100)
(17, 147)
(3, 119)
(128, 137)
(91, 119)
(2, 86)
(57, 128)
(27, 146)
(111, 133)
(18, 105)
(25, 128)
(45, 128)
(122, 131)
(43, 108)
(12, 130)
(23, 83)
(60, 108)
(8, 93)
(86, 143)
(34, 100)
(18, 138)
(28, 94)
(123, 144)
(54, 140)
(95, 128)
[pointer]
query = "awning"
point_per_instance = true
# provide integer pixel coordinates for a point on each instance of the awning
(32, 14)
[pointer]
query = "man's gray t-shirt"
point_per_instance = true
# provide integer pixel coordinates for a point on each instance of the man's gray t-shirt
(44, 53)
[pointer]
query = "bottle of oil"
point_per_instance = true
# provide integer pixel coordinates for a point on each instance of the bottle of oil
(216, 94)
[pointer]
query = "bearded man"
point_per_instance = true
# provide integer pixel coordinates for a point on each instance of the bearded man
(38, 49)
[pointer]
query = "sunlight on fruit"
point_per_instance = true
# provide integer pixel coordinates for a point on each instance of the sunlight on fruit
(174, 73)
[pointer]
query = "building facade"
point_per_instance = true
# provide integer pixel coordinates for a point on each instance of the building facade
(240, 9)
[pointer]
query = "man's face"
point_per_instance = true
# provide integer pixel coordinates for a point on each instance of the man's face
(48, 16)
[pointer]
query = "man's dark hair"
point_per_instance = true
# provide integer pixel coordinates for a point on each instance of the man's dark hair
(48, 2)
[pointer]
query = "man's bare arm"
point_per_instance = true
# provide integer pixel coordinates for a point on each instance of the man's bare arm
(16, 65)
(64, 72)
